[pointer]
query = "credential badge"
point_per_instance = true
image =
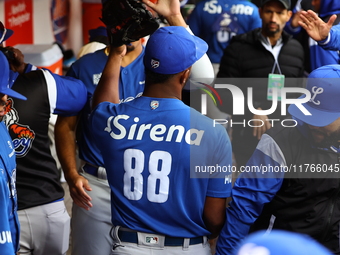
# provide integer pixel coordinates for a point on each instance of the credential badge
(154, 105)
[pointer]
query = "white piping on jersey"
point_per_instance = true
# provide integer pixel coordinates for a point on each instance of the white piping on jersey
(51, 90)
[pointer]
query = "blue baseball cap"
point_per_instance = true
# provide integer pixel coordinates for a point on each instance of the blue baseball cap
(99, 31)
(173, 49)
(4, 79)
(285, 3)
(324, 85)
(280, 242)
(4, 33)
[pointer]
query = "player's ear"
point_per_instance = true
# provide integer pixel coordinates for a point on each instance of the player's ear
(185, 76)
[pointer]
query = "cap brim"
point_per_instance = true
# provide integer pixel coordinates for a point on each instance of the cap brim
(12, 93)
(9, 33)
(201, 47)
(317, 118)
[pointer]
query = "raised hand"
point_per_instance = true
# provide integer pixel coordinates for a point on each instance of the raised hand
(316, 28)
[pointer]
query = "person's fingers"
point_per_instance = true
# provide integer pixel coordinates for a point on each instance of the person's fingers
(312, 14)
(79, 203)
(254, 131)
(303, 24)
(149, 3)
(81, 198)
(260, 132)
(303, 17)
(331, 20)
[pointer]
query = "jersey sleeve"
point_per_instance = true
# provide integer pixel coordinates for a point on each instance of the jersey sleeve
(252, 190)
(67, 95)
(220, 184)
(6, 244)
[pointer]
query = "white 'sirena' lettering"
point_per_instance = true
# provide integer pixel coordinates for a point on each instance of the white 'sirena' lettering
(157, 133)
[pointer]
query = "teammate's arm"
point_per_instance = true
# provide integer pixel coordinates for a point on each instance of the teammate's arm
(108, 86)
(251, 191)
(64, 132)
(214, 215)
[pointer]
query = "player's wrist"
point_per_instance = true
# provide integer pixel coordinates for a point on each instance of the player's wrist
(71, 175)
(176, 20)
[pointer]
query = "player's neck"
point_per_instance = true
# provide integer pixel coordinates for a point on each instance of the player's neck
(272, 38)
(162, 91)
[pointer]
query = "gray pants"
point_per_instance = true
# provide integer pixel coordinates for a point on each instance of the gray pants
(44, 229)
(91, 229)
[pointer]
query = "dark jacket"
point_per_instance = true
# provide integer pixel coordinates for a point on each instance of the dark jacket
(246, 57)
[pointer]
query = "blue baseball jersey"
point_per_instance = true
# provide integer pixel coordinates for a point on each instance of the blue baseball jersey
(89, 70)
(217, 21)
(154, 150)
(9, 223)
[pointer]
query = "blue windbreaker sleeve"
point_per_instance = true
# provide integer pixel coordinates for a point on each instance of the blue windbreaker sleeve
(67, 95)
(288, 27)
(292, 30)
(220, 183)
(320, 57)
(6, 244)
(332, 42)
(255, 187)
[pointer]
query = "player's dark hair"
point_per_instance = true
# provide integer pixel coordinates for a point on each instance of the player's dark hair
(152, 77)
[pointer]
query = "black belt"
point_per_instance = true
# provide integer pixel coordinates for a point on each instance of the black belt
(132, 237)
(93, 170)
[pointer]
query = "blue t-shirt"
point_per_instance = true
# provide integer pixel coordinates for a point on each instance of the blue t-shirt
(155, 151)
(9, 223)
(89, 70)
(217, 21)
